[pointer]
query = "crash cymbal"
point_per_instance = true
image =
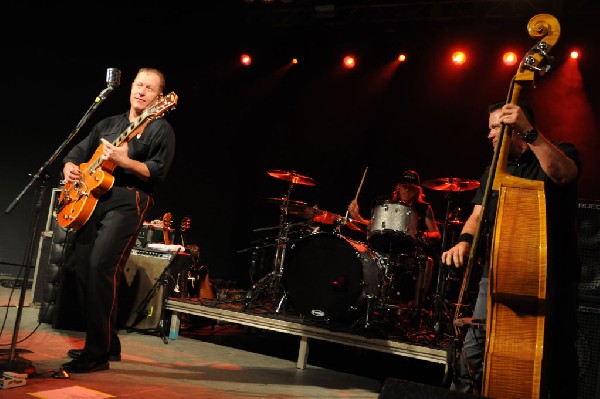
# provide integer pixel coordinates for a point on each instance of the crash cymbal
(292, 176)
(451, 184)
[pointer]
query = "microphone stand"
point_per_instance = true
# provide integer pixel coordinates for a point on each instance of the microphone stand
(14, 362)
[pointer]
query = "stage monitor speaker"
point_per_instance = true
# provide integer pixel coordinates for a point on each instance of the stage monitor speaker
(588, 350)
(588, 218)
(394, 388)
(152, 277)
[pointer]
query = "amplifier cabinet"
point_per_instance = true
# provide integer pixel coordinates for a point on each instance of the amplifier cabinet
(151, 276)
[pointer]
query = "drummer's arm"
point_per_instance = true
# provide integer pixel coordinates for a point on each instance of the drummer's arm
(432, 234)
(354, 212)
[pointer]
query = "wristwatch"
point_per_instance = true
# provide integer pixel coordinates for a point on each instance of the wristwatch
(529, 136)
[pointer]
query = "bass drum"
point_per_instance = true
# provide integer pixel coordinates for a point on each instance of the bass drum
(329, 277)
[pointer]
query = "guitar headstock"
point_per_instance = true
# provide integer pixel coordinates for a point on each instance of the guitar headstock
(537, 61)
(186, 223)
(162, 105)
(167, 220)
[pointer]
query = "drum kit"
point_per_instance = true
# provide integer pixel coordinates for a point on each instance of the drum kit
(327, 276)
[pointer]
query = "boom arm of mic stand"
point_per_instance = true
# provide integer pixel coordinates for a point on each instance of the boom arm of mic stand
(41, 171)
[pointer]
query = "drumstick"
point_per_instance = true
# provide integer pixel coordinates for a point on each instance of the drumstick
(361, 183)
(359, 187)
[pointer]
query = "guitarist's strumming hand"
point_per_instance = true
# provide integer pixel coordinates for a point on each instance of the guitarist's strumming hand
(71, 172)
(120, 157)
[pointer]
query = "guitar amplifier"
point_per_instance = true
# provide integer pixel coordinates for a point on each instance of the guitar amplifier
(152, 276)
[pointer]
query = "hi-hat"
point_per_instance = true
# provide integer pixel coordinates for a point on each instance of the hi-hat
(292, 176)
(293, 206)
(451, 184)
(289, 201)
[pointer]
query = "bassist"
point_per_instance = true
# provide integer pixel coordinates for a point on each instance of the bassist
(531, 156)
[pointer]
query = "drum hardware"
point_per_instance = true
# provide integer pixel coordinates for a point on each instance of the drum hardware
(271, 283)
(451, 225)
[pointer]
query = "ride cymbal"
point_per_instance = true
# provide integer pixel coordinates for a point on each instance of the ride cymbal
(292, 176)
(451, 184)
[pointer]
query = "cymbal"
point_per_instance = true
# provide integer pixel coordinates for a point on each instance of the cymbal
(289, 201)
(292, 176)
(451, 222)
(327, 217)
(451, 184)
(293, 206)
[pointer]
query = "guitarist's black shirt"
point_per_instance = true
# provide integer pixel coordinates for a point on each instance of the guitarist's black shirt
(155, 147)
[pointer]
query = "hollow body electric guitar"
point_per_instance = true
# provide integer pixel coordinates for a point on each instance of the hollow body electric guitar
(78, 199)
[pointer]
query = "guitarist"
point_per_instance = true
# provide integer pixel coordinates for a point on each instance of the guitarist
(532, 156)
(102, 245)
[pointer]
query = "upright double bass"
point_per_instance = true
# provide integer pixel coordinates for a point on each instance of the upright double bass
(514, 348)
(517, 286)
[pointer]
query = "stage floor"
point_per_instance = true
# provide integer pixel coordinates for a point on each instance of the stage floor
(214, 357)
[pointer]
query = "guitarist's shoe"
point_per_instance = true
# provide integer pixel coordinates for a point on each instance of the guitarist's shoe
(77, 353)
(85, 365)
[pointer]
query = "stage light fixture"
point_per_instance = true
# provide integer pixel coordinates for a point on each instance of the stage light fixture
(349, 62)
(245, 59)
(294, 61)
(459, 57)
(509, 58)
(574, 55)
(402, 57)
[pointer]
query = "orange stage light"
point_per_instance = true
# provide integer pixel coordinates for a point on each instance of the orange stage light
(246, 60)
(509, 58)
(459, 57)
(349, 62)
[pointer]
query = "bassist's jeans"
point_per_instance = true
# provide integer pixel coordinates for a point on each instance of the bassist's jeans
(468, 373)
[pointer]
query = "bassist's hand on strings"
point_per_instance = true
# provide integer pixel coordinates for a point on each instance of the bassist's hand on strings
(457, 255)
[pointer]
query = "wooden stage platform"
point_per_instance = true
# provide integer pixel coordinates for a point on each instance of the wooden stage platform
(297, 326)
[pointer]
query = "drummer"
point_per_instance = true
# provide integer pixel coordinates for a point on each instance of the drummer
(408, 191)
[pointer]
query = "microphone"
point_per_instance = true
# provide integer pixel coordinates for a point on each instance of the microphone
(113, 79)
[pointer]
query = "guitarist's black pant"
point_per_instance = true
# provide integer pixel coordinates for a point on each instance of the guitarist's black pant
(100, 251)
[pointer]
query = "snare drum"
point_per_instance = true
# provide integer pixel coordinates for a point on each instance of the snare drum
(393, 227)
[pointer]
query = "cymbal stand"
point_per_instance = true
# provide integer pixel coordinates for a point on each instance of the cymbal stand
(271, 283)
(440, 305)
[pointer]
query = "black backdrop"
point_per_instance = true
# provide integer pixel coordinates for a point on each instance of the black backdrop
(233, 125)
